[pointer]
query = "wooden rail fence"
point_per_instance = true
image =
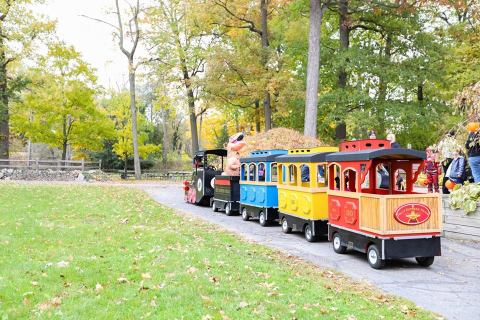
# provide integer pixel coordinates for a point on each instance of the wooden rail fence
(81, 165)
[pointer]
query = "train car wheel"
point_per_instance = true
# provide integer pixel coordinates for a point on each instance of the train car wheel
(262, 219)
(425, 261)
(337, 244)
(285, 227)
(245, 215)
(214, 207)
(228, 210)
(309, 234)
(374, 258)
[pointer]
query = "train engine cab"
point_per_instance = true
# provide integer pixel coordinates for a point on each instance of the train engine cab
(258, 186)
(302, 191)
(206, 165)
(374, 208)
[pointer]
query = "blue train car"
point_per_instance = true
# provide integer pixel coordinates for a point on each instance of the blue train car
(258, 186)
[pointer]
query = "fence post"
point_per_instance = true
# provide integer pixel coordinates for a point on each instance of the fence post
(100, 164)
(83, 164)
(36, 164)
(58, 165)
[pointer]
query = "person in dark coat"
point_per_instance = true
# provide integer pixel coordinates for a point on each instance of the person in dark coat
(473, 148)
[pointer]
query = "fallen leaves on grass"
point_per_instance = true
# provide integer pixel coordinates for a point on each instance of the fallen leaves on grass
(53, 303)
(192, 270)
(122, 279)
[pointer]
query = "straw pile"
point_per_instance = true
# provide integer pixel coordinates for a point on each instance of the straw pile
(278, 138)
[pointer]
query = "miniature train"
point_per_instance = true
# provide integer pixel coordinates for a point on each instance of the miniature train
(359, 196)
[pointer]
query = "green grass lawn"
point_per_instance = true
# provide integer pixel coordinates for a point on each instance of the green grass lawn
(88, 252)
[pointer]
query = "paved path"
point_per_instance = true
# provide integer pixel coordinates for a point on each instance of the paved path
(450, 287)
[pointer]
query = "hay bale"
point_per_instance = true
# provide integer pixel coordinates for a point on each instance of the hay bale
(278, 138)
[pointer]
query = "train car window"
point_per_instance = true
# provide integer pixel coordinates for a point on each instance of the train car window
(274, 172)
(350, 180)
(261, 172)
(282, 173)
(383, 176)
(321, 175)
(243, 172)
(292, 170)
(334, 177)
(400, 180)
(305, 175)
(252, 172)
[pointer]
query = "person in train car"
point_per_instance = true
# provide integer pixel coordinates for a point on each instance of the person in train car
(305, 173)
(261, 172)
(399, 181)
(383, 177)
(372, 135)
(321, 174)
(393, 141)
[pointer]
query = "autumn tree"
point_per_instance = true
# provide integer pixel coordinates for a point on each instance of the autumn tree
(180, 42)
(127, 33)
(58, 108)
(118, 109)
(19, 30)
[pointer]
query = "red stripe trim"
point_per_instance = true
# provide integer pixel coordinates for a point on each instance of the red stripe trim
(222, 182)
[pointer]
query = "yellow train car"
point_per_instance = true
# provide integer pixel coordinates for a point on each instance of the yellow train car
(302, 191)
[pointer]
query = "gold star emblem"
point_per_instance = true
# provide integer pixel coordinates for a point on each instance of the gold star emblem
(413, 216)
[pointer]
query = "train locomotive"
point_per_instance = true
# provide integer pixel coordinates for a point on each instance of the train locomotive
(360, 196)
(206, 165)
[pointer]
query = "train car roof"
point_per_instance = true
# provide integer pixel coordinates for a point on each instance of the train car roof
(387, 154)
(305, 157)
(218, 152)
(263, 155)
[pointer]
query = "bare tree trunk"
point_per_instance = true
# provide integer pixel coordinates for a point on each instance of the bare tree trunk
(200, 132)
(267, 109)
(313, 67)
(133, 112)
(165, 146)
(4, 114)
(257, 116)
(420, 92)
(344, 31)
(382, 89)
(193, 118)
(64, 149)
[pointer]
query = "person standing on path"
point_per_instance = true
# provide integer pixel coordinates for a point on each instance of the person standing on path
(446, 148)
(456, 170)
(473, 148)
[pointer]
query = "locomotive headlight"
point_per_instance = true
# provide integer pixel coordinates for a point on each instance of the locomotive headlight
(212, 183)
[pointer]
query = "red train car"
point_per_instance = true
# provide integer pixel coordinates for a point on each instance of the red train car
(374, 207)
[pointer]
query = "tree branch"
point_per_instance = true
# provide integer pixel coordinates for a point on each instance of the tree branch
(251, 25)
(100, 20)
